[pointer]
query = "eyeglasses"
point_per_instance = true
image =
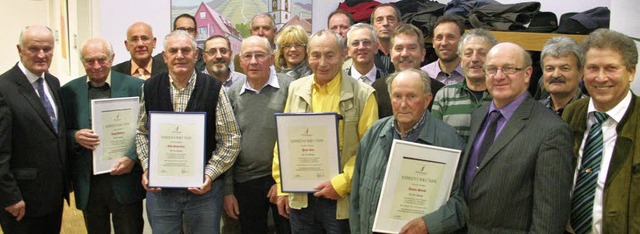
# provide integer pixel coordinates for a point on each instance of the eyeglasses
(258, 56)
(365, 43)
(293, 45)
(505, 70)
(187, 29)
(214, 51)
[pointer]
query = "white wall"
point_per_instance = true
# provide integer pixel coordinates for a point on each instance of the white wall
(623, 12)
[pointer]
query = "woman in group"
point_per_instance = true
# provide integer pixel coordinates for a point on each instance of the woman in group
(291, 56)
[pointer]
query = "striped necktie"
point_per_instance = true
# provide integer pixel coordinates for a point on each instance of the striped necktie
(583, 195)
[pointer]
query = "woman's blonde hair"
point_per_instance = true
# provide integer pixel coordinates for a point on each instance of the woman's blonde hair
(289, 35)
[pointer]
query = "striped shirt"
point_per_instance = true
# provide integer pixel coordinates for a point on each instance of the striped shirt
(227, 132)
(454, 104)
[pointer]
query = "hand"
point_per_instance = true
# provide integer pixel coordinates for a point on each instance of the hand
(416, 225)
(230, 204)
(123, 166)
(87, 138)
(204, 188)
(17, 210)
(273, 194)
(145, 183)
(283, 206)
(326, 190)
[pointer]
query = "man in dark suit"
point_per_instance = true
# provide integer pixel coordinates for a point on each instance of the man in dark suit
(117, 194)
(33, 171)
(609, 202)
(187, 22)
(516, 173)
(140, 43)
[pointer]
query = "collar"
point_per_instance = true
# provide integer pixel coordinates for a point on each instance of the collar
(273, 82)
(30, 76)
(108, 81)
(190, 83)
(333, 85)
(508, 110)
(135, 66)
(616, 113)
(414, 133)
(371, 75)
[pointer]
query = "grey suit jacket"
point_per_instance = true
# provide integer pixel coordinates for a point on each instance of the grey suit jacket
(523, 183)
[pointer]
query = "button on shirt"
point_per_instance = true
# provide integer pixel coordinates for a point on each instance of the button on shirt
(609, 137)
(434, 71)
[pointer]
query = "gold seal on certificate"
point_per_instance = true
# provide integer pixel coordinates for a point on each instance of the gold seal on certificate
(308, 149)
(417, 181)
(176, 149)
(113, 120)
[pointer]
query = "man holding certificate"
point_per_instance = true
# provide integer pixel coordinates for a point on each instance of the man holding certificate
(410, 95)
(327, 90)
(185, 90)
(118, 193)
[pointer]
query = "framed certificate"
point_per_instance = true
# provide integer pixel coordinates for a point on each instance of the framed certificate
(308, 149)
(114, 121)
(418, 180)
(176, 149)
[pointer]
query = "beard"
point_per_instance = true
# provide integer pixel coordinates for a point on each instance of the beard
(218, 68)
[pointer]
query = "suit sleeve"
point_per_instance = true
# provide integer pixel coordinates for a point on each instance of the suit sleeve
(9, 191)
(450, 216)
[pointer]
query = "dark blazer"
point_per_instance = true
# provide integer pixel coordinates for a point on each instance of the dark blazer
(33, 163)
(77, 106)
(621, 213)
(157, 66)
(384, 102)
(523, 183)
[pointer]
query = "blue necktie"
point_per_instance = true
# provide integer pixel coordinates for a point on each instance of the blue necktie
(47, 104)
(584, 193)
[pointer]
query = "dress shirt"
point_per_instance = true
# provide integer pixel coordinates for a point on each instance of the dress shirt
(371, 75)
(435, 72)
(273, 82)
(33, 79)
(226, 128)
(609, 137)
(232, 79)
(147, 70)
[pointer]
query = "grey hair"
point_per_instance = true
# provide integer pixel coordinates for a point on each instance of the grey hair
(322, 32)
(180, 33)
(424, 77)
(23, 33)
(97, 40)
(476, 33)
(363, 26)
(562, 46)
(263, 14)
(262, 40)
(613, 40)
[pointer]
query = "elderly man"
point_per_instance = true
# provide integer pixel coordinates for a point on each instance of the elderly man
(250, 190)
(605, 126)
(263, 25)
(362, 46)
(117, 194)
(385, 18)
(187, 22)
(339, 22)
(179, 91)
(217, 56)
(411, 121)
(328, 90)
(516, 173)
(561, 60)
(454, 104)
(446, 34)
(140, 43)
(33, 160)
(407, 51)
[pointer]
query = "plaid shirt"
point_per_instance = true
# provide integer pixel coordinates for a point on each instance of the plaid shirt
(227, 131)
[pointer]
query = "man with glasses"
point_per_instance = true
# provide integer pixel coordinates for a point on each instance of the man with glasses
(140, 43)
(516, 173)
(217, 56)
(183, 89)
(187, 23)
(250, 191)
(362, 47)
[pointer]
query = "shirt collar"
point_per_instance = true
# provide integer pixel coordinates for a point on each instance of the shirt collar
(190, 83)
(413, 133)
(108, 81)
(135, 66)
(508, 110)
(617, 112)
(30, 76)
(273, 82)
(333, 85)
(371, 75)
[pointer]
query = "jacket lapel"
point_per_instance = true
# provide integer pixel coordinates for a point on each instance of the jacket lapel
(26, 89)
(626, 129)
(509, 131)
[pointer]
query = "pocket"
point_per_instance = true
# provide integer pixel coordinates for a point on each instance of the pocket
(25, 173)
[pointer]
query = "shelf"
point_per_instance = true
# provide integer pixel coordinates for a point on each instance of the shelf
(529, 40)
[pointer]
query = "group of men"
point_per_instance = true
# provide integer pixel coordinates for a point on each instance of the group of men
(523, 169)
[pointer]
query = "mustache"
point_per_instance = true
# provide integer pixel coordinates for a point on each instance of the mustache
(559, 80)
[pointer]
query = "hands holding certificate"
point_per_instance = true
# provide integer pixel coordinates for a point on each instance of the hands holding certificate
(206, 186)
(89, 140)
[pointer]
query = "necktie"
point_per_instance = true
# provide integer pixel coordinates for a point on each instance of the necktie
(583, 195)
(476, 157)
(47, 105)
(140, 74)
(363, 79)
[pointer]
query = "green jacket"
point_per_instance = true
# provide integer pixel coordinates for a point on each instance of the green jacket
(77, 108)
(621, 205)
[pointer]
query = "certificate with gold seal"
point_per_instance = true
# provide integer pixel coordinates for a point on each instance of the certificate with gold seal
(308, 149)
(417, 181)
(114, 121)
(176, 149)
